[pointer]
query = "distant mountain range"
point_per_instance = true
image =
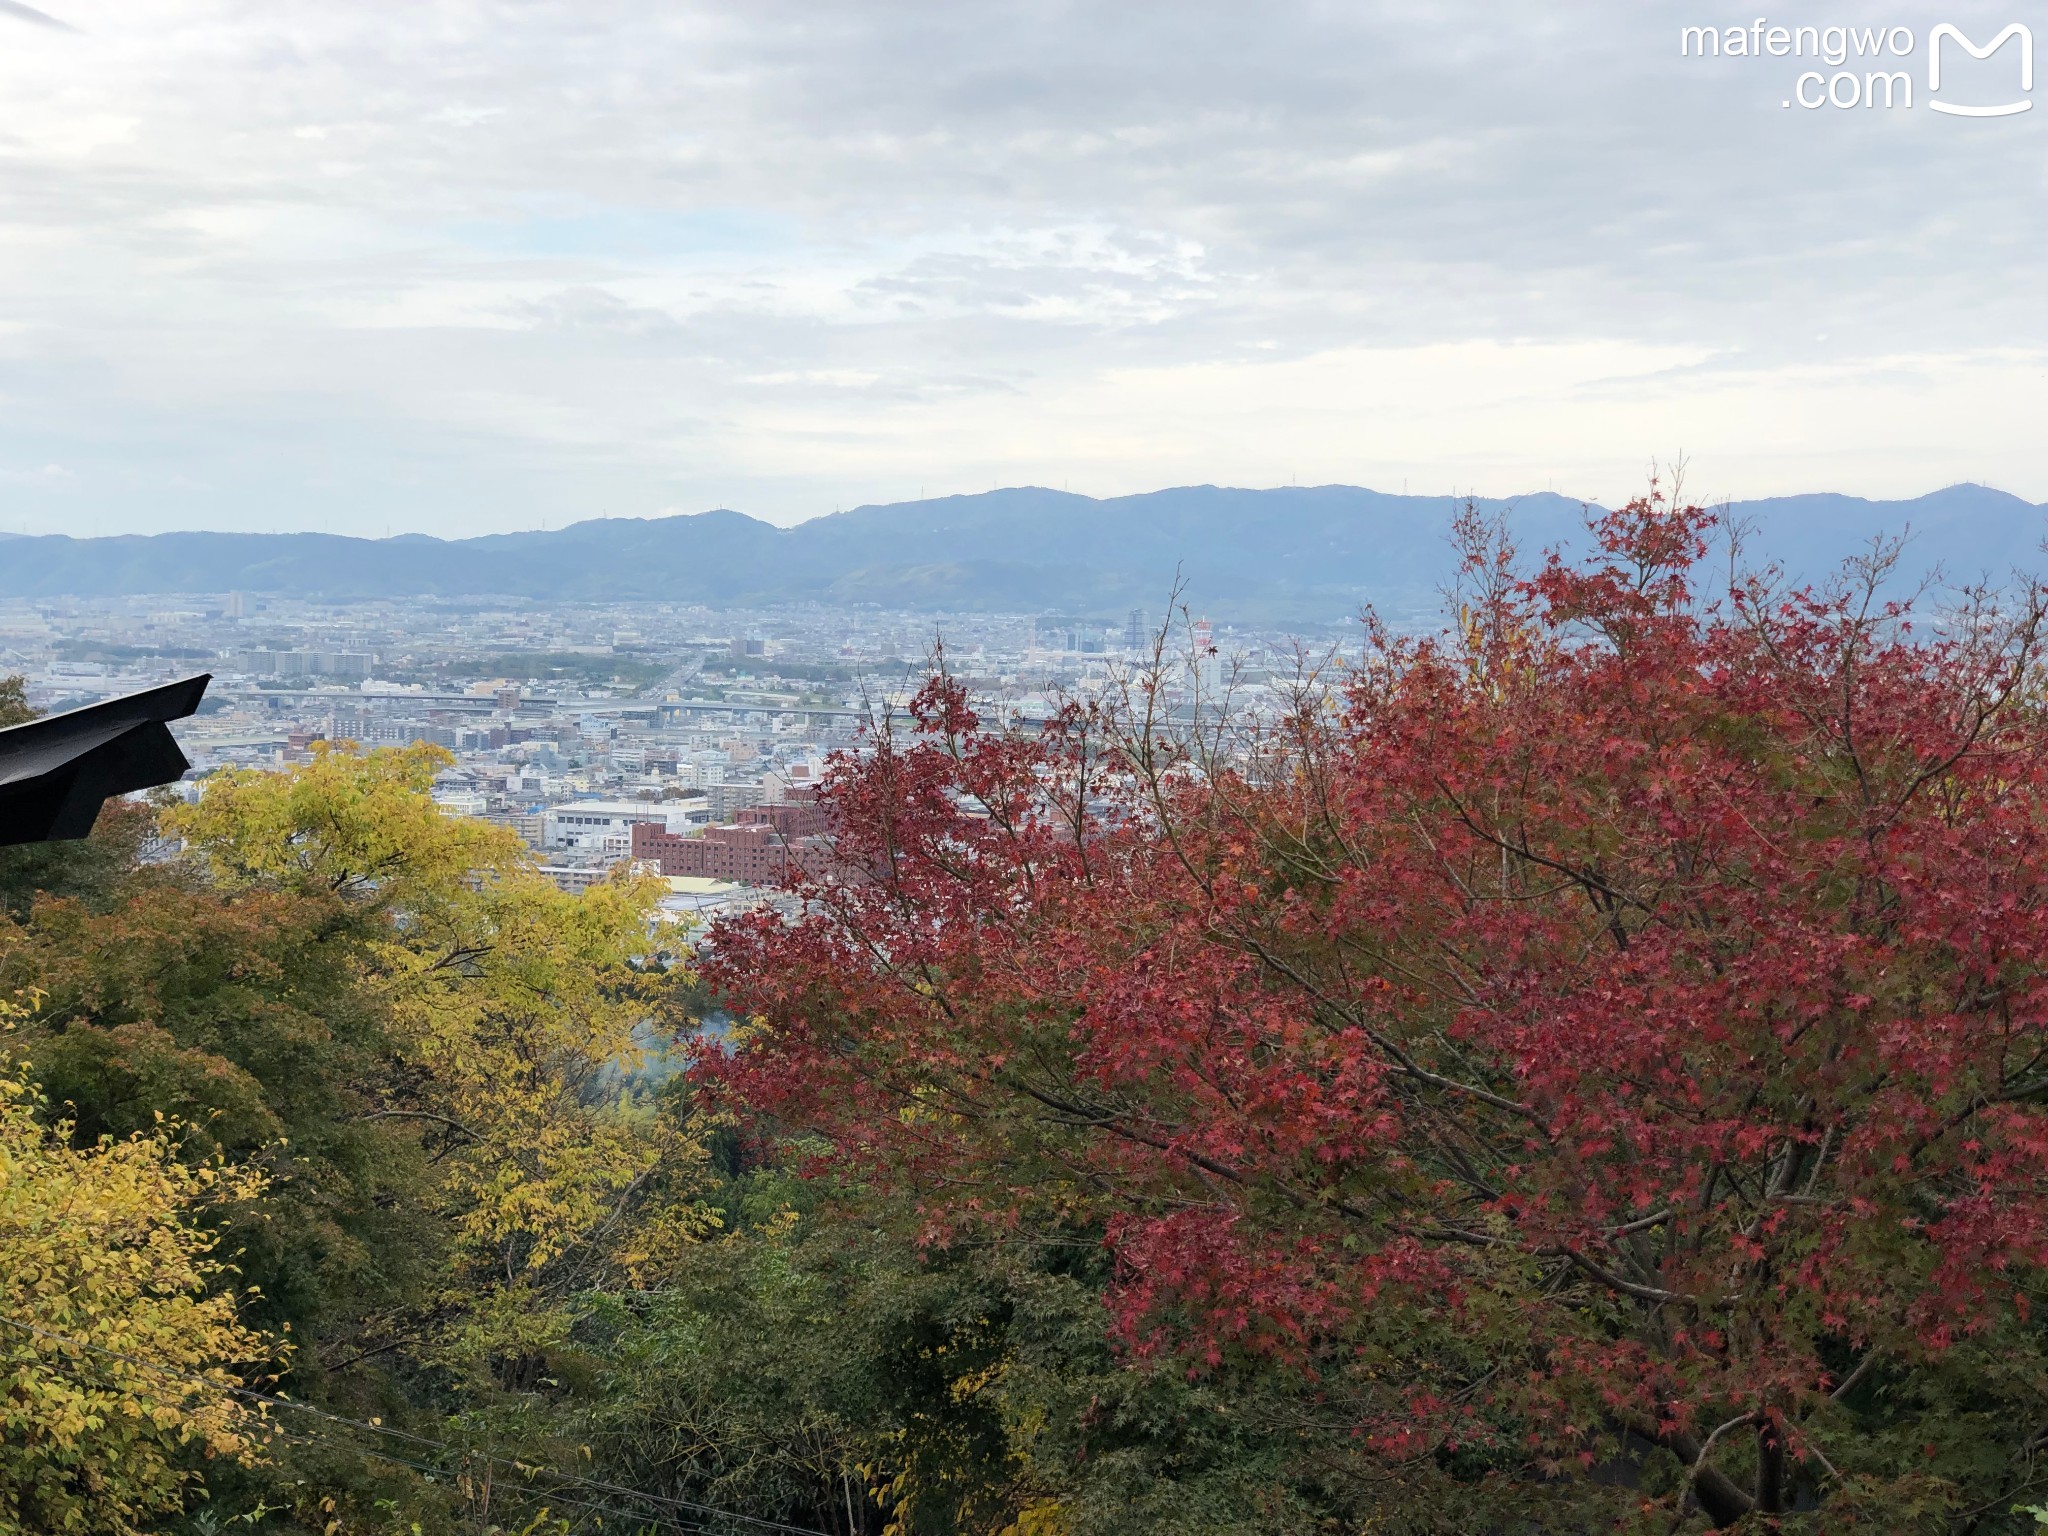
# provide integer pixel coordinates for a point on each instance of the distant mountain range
(1296, 553)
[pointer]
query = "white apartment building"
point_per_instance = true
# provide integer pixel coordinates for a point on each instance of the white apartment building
(577, 878)
(585, 824)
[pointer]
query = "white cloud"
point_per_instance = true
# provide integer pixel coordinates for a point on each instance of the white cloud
(457, 265)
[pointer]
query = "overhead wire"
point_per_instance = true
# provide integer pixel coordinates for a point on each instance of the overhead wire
(544, 1498)
(514, 1464)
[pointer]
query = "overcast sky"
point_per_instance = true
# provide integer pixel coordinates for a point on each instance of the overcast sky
(455, 267)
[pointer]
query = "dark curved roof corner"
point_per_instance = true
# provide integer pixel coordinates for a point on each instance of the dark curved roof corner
(56, 772)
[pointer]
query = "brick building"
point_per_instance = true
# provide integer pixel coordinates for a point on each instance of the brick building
(757, 850)
(796, 817)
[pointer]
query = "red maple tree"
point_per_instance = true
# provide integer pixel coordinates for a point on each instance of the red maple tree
(1619, 1022)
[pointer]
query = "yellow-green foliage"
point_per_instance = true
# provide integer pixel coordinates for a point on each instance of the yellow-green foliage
(513, 1004)
(101, 1269)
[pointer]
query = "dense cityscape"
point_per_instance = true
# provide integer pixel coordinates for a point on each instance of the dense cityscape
(705, 729)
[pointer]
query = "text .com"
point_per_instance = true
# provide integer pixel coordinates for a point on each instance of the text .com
(1865, 68)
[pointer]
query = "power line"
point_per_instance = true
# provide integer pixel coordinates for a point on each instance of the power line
(524, 1469)
(545, 1498)
(445, 1447)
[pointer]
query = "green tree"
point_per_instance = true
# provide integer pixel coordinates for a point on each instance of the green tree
(817, 1364)
(14, 705)
(432, 1054)
(119, 1334)
(515, 1016)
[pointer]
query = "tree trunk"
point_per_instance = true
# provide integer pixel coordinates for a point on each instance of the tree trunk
(1770, 1467)
(1723, 1502)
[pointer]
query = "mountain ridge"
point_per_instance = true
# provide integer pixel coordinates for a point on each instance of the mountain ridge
(1288, 552)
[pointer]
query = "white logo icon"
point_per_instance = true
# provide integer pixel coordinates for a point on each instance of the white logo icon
(2026, 68)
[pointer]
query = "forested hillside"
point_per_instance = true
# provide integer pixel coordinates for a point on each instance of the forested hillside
(1287, 553)
(1583, 1071)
